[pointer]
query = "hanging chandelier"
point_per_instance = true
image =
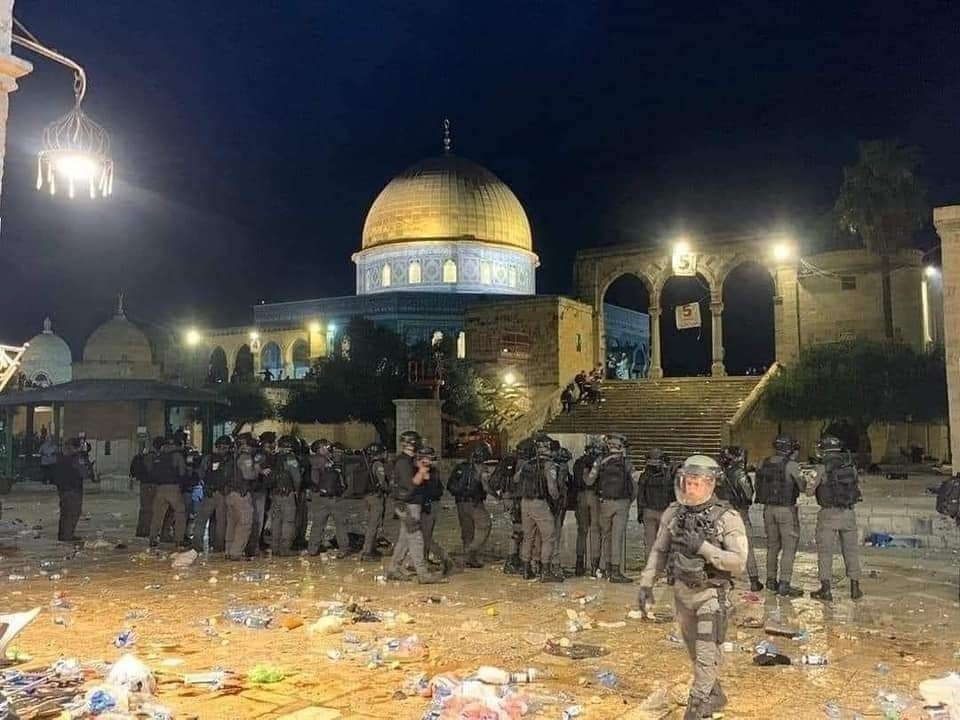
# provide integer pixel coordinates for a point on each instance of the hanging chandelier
(74, 150)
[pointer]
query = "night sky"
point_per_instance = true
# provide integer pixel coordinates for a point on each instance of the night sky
(251, 137)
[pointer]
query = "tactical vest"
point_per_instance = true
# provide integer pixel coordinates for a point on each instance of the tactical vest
(235, 481)
(613, 480)
(164, 471)
(328, 482)
(734, 488)
(840, 487)
(693, 570)
(283, 474)
(215, 478)
(656, 487)
(533, 481)
(580, 469)
(774, 487)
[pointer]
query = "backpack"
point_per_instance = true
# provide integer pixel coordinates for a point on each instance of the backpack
(948, 498)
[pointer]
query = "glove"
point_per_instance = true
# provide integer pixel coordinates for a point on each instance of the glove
(645, 599)
(692, 539)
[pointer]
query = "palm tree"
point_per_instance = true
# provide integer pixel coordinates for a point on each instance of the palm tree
(883, 201)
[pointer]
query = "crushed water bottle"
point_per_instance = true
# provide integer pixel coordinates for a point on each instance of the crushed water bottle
(607, 679)
(832, 710)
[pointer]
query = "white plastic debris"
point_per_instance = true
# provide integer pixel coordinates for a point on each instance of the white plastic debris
(131, 673)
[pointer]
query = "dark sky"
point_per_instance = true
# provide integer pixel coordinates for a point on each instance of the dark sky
(251, 137)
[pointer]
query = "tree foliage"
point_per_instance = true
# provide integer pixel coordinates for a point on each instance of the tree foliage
(246, 403)
(859, 383)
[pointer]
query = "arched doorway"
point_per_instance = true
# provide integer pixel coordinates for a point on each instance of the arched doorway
(217, 370)
(243, 365)
(300, 358)
(685, 352)
(626, 327)
(748, 333)
(271, 361)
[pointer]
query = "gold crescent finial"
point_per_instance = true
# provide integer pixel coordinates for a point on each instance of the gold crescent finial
(447, 141)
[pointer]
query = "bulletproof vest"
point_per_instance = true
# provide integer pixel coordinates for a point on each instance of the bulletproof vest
(774, 487)
(466, 483)
(734, 488)
(613, 480)
(693, 570)
(656, 488)
(215, 478)
(235, 481)
(433, 488)
(580, 469)
(328, 481)
(405, 467)
(533, 480)
(840, 487)
(164, 470)
(284, 471)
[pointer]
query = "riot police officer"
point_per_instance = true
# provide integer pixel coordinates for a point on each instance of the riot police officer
(503, 485)
(701, 545)
(655, 494)
(412, 473)
(214, 502)
(736, 488)
(147, 488)
(612, 478)
(259, 490)
(68, 479)
(468, 485)
(283, 483)
(837, 488)
(169, 471)
(537, 479)
(374, 496)
(430, 511)
(587, 512)
(779, 483)
(241, 473)
(327, 486)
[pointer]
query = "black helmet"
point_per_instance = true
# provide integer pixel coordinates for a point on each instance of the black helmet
(425, 451)
(731, 456)
(321, 445)
(828, 443)
(543, 444)
(616, 443)
(74, 443)
(785, 445)
(480, 452)
(562, 455)
(268, 438)
(338, 447)
(375, 450)
(157, 443)
(594, 445)
(526, 449)
(246, 440)
(287, 442)
(224, 441)
(410, 439)
(657, 457)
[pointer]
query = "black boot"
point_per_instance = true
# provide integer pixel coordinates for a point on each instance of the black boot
(697, 708)
(594, 568)
(580, 569)
(823, 594)
(772, 585)
(615, 576)
(717, 699)
(855, 592)
(786, 590)
(512, 565)
(755, 584)
(549, 575)
(528, 573)
(472, 561)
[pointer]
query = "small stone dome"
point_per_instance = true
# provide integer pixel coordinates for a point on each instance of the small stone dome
(118, 341)
(47, 359)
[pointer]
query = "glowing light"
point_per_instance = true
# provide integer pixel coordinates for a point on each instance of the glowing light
(76, 166)
(782, 251)
(254, 335)
(930, 271)
(331, 328)
(314, 327)
(681, 247)
(193, 337)
(509, 378)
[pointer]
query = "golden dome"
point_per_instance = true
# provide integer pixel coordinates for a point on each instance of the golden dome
(444, 198)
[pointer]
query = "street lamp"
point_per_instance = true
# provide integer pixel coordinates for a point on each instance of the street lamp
(782, 252)
(509, 378)
(930, 271)
(74, 148)
(315, 327)
(193, 337)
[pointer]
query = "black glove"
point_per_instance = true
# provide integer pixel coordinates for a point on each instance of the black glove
(645, 599)
(692, 539)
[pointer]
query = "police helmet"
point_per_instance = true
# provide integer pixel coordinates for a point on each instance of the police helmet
(319, 446)
(224, 441)
(425, 452)
(594, 445)
(375, 450)
(616, 443)
(701, 466)
(731, 456)
(74, 443)
(657, 457)
(562, 455)
(785, 445)
(157, 443)
(480, 452)
(338, 448)
(246, 440)
(268, 438)
(827, 444)
(287, 442)
(543, 444)
(526, 449)
(410, 439)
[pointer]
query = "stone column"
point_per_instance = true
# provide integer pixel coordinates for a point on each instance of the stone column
(947, 222)
(716, 334)
(786, 313)
(656, 370)
(424, 416)
(11, 68)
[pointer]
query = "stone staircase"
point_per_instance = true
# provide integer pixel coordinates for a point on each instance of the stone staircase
(682, 416)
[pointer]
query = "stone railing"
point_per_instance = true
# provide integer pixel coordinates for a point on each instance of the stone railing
(749, 403)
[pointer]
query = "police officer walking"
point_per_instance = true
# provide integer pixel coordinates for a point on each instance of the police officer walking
(468, 485)
(284, 481)
(504, 485)
(537, 478)
(169, 471)
(214, 503)
(143, 472)
(242, 472)
(701, 545)
(374, 496)
(736, 488)
(837, 488)
(655, 494)
(68, 479)
(327, 486)
(779, 483)
(612, 477)
(587, 511)
(412, 473)
(259, 490)
(430, 510)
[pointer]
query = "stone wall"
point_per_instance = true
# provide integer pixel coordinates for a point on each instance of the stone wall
(111, 428)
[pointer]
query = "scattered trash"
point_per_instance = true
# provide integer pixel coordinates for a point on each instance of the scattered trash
(778, 629)
(607, 679)
(154, 586)
(943, 691)
(765, 647)
(99, 700)
(265, 674)
(251, 576)
(882, 669)
(12, 624)
(125, 639)
(249, 617)
(129, 672)
(574, 651)
(659, 699)
(334, 654)
(495, 676)
(675, 639)
(16, 577)
(813, 660)
(491, 611)
(636, 615)
(769, 659)
(832, 710)
(611, 625)
(291, 622)
(137, 614)
(326, 625)
(574, 711)
(214, 677)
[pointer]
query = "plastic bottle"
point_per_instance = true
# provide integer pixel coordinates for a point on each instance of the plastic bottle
(495, 676)
(813, 659)
(607, 679)
(832, 710)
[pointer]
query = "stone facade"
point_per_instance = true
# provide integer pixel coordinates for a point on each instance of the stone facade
(425, 416)
(947, 221)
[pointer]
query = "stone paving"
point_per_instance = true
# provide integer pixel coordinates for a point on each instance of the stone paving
(904, 631)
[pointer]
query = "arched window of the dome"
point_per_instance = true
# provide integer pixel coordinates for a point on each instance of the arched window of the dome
(486, 273)
(512, 276)
(461, 345)
(414, 275)
(385, 276)
(450, 271)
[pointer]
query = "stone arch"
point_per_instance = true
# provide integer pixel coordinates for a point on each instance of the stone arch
(299, 358)
(748, 317)
(688, 352)
(217, 370)
(271, 358)
(242, 364)
(735, 262)
(625, 308)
